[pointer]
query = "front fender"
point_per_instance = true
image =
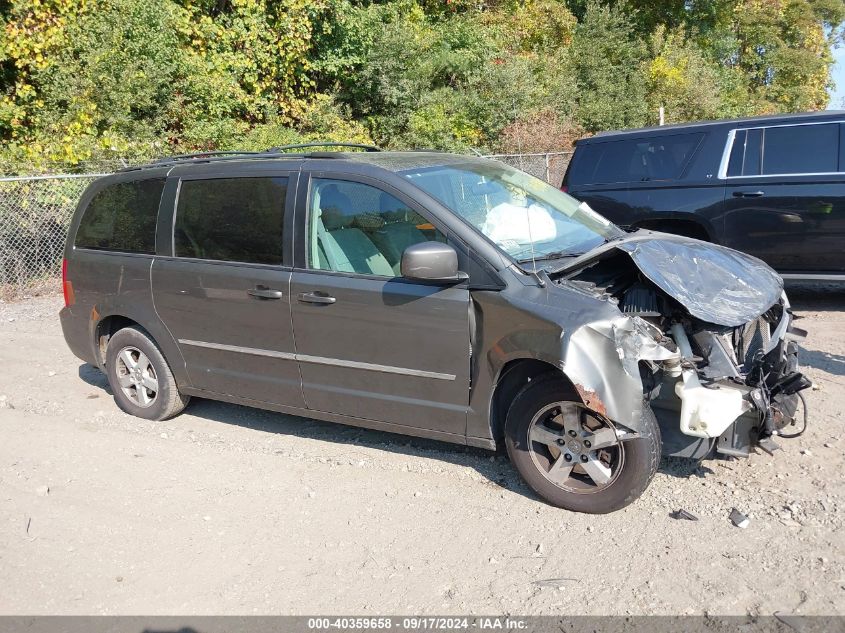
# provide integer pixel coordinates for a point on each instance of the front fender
(602, 361)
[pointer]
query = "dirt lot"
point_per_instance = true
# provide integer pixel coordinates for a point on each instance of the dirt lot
(232, 510)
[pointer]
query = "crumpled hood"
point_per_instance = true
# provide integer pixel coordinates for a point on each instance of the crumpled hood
(716, 284)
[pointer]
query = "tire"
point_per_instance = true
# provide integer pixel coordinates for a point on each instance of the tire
(130, 384)
(635, 460)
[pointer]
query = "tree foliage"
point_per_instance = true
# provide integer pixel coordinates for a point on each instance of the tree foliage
(82, 81)
(606, 58)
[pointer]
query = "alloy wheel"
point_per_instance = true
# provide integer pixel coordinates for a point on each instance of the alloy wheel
(574, 449)
(137, 376)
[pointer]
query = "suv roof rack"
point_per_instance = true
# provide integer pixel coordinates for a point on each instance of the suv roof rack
(284, 148)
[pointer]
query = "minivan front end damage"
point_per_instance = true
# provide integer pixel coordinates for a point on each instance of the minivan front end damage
(719, 373)
(737, 385)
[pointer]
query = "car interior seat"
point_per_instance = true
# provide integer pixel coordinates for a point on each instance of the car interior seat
(397, 233)
(663, 164)
(342, 246)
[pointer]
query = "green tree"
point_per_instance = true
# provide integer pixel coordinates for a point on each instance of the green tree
(680, 79)
(323, 120)
(784, 51)
(397, 69)
(100, 83)
(606, 59)
(87, 80)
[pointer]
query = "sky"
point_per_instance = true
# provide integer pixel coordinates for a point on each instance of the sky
(838, 72)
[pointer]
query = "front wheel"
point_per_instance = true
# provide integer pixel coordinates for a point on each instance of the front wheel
(573, 458)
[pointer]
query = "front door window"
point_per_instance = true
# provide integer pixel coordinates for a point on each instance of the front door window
(357, 228)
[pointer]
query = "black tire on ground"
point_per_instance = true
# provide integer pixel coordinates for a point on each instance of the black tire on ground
(167, 400)
(641, 456)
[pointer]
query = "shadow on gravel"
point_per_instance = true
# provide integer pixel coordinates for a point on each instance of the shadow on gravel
(685, 468)
(833, 364)
(819, 297)
(494, 467)
(94, 377)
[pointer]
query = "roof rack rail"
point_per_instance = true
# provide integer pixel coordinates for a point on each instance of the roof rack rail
(284, 148)
(273, 152)
(210, 154)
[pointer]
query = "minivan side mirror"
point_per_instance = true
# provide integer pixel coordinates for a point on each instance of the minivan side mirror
(431, 261)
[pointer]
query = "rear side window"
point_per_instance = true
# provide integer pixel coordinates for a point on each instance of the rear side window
(634, 160)
(793, 149)
(231, 219)
(122, 217)
(801, 149)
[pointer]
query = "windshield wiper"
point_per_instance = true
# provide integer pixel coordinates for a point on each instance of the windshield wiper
(552, 255)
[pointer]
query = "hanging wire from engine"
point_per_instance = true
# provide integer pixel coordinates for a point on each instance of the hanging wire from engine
(804, 428)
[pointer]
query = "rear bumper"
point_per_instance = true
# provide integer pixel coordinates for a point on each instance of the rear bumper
(75, 328)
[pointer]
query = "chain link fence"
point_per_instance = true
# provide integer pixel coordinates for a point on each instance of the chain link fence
(550, 167)
(35, 212)
(34, 216)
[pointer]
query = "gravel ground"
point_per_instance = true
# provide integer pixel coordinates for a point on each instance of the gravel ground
(231, 510)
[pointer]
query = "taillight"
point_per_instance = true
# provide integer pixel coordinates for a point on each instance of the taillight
(564, 189)
(67, 286)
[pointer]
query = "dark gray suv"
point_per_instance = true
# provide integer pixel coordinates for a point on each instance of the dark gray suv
(433, 295)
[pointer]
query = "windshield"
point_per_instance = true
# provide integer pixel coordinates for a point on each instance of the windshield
(523, 215)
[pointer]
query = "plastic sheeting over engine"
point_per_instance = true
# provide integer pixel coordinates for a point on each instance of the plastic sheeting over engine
(715, 284)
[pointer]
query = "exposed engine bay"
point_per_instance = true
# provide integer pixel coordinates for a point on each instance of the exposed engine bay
(711, 338)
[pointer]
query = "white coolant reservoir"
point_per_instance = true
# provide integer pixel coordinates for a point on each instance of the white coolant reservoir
(704, 412)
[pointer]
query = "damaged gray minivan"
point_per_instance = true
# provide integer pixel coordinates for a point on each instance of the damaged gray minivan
(432, 295)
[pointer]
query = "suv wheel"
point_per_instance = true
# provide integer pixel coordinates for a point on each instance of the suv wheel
(571, 457)
(140, 378)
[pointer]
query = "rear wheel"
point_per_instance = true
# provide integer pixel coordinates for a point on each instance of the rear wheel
(140, 378)
(572, 457)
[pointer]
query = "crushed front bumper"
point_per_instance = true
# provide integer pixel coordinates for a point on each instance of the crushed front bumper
(735, 388)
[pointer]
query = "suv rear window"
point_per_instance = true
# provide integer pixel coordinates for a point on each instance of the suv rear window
(788, 149)
(122, 217)
(801, 149)
(231, 219)
(633, 160)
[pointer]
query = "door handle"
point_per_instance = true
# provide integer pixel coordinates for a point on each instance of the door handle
(747, 194)
(315, 297)
(262, 292)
